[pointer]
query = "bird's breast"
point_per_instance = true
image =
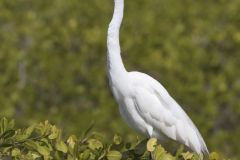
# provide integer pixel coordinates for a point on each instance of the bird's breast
(130, 114)
(121, 88)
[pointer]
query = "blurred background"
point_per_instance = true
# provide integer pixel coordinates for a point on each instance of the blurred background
(53, 63)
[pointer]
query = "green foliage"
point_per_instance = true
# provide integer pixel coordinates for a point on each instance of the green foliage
(44, 141)
(53, 63)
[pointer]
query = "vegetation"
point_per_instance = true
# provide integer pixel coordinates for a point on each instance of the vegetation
(53, 61)
(44, 141)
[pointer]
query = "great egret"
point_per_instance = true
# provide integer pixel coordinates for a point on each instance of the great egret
(143, 102)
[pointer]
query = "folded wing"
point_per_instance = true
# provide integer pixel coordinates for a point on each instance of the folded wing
(163, 114)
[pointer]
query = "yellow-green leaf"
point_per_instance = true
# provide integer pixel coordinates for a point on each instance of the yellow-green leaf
(30, 129)
(43, 150)
(187, 155)
(151, 144)
(117, 139)
(159, 152)
(85, 155)
(71, 141)
(15, 152)
(114, 155)
(166, 157)
(61, 146)
(94, 144)
(54, 133)
(31, 144)
(3, 125)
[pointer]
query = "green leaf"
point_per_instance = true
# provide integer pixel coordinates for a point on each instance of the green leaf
(151, 144)
(180, 150)
(11, 124)
(159, 152)
(35, 155)
(85, 155)
(31, 144)
(15, 152)
(20, 137)
(61, 146)
(114, 155)
(54, 133)
(43, 150)
(71, 141)
(29, 130)
(166, 157)
(3, 125)
(7, 134)
(117, 139)
(94, 144)
(46, 142)
(187, 155)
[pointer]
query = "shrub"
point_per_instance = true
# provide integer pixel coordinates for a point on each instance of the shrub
(44, 141)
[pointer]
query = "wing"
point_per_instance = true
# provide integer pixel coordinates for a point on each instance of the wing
(163, 114)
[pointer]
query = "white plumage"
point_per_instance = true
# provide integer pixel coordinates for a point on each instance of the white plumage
(143, 102)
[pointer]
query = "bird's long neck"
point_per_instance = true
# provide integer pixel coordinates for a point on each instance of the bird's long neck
(115, 64)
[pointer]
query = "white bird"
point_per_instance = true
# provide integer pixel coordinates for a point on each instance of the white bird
(143, 102)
